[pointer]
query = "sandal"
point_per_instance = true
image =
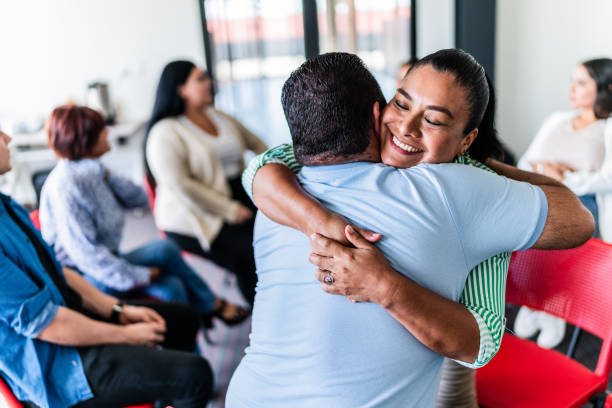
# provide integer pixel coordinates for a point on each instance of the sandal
(239, 315)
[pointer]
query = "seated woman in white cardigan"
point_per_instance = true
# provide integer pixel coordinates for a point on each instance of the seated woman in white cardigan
(576, 148)
(194, 158)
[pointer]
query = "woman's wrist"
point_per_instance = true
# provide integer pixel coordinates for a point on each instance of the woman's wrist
(388, 284)
(314, 218)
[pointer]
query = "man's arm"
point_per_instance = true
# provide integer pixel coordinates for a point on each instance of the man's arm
(70, 328)
(568, 223)
(102, 304)
(93, 299)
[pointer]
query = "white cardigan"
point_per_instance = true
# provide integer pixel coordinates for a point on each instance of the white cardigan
(598, 182)
(193, 196)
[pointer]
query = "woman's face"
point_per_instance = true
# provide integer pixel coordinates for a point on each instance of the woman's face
(102, 146)
(425, 120)
(5, 153)
(583, 89)
(197, 89)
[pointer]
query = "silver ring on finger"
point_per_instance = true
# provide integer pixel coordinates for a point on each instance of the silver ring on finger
(329, 279)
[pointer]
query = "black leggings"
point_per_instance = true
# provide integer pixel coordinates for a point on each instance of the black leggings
(232, 248)
(121, 375)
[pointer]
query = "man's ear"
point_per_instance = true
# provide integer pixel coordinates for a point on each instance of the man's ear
(376, 117)
(467, 141)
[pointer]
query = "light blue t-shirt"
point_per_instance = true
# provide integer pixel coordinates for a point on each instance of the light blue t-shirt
(311, 349)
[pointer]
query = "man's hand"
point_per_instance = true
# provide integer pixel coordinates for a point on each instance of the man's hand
(362, 273)
(137, 314)
(144, 334)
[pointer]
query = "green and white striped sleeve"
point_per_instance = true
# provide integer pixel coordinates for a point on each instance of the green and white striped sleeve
(484, 295)
(281, 154)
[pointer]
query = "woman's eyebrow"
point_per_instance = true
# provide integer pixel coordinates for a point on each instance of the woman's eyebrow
(404, 94)
(432, 107)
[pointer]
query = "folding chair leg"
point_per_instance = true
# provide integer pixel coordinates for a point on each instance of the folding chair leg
(571, 350)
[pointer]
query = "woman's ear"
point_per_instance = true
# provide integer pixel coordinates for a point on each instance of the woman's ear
(467, 141)
(180, 91)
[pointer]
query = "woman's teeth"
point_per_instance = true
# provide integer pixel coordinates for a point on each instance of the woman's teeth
(404, 146)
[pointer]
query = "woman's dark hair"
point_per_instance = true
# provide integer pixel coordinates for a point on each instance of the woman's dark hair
(73, 130)
(600, 70)
(167, 100)
(480, 97)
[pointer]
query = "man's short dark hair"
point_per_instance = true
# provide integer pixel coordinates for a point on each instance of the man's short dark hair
(328, 105)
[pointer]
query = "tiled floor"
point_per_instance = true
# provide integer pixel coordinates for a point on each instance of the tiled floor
(228, 343)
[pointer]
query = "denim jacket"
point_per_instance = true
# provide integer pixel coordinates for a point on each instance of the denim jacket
(46, 374)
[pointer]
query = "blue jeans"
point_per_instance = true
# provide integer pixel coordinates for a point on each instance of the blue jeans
(588, 200)
(177, 282)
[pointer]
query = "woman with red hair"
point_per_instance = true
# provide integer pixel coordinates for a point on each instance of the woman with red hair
(82, 214)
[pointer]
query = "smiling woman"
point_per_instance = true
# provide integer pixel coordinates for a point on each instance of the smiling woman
(421, 124)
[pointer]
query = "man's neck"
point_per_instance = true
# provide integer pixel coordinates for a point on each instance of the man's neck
(371, 154)
(330, 160)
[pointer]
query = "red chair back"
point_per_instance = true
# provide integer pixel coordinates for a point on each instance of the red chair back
(574, 284)
(608, 402)
(9, 399)
(150, 189)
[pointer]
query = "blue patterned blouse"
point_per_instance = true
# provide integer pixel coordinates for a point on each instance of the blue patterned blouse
(82, 214)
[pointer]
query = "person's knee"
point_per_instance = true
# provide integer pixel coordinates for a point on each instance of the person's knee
(169, 248)
(199, 374)
(170, 288)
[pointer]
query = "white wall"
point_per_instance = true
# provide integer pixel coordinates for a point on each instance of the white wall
(51, 49)
(538, 44)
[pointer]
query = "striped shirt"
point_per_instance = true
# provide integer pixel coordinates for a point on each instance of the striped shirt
(484, 291)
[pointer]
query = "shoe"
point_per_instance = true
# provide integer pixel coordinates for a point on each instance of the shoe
(239, 315)
(525, 324)
(552, 330)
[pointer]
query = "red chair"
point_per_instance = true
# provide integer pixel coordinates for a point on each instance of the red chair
(150, 190)
(7, 395)
(575, 285)
(608, 403)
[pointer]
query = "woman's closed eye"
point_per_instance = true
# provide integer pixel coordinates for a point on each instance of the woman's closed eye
(399, 105)
(433, 122)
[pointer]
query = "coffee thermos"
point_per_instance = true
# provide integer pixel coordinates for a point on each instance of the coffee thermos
(98, 98)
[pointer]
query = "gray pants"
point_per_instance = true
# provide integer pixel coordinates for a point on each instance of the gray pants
(457, 386)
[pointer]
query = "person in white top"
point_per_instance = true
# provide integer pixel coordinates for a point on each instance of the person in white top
(194, 159)
(576, 148)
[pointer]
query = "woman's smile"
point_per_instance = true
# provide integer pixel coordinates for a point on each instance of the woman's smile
(403, 147)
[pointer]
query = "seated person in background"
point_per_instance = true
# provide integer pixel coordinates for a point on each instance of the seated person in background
(194, 155)
(575, 148)
(66, 344)
(323, 350)
(82, 214)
